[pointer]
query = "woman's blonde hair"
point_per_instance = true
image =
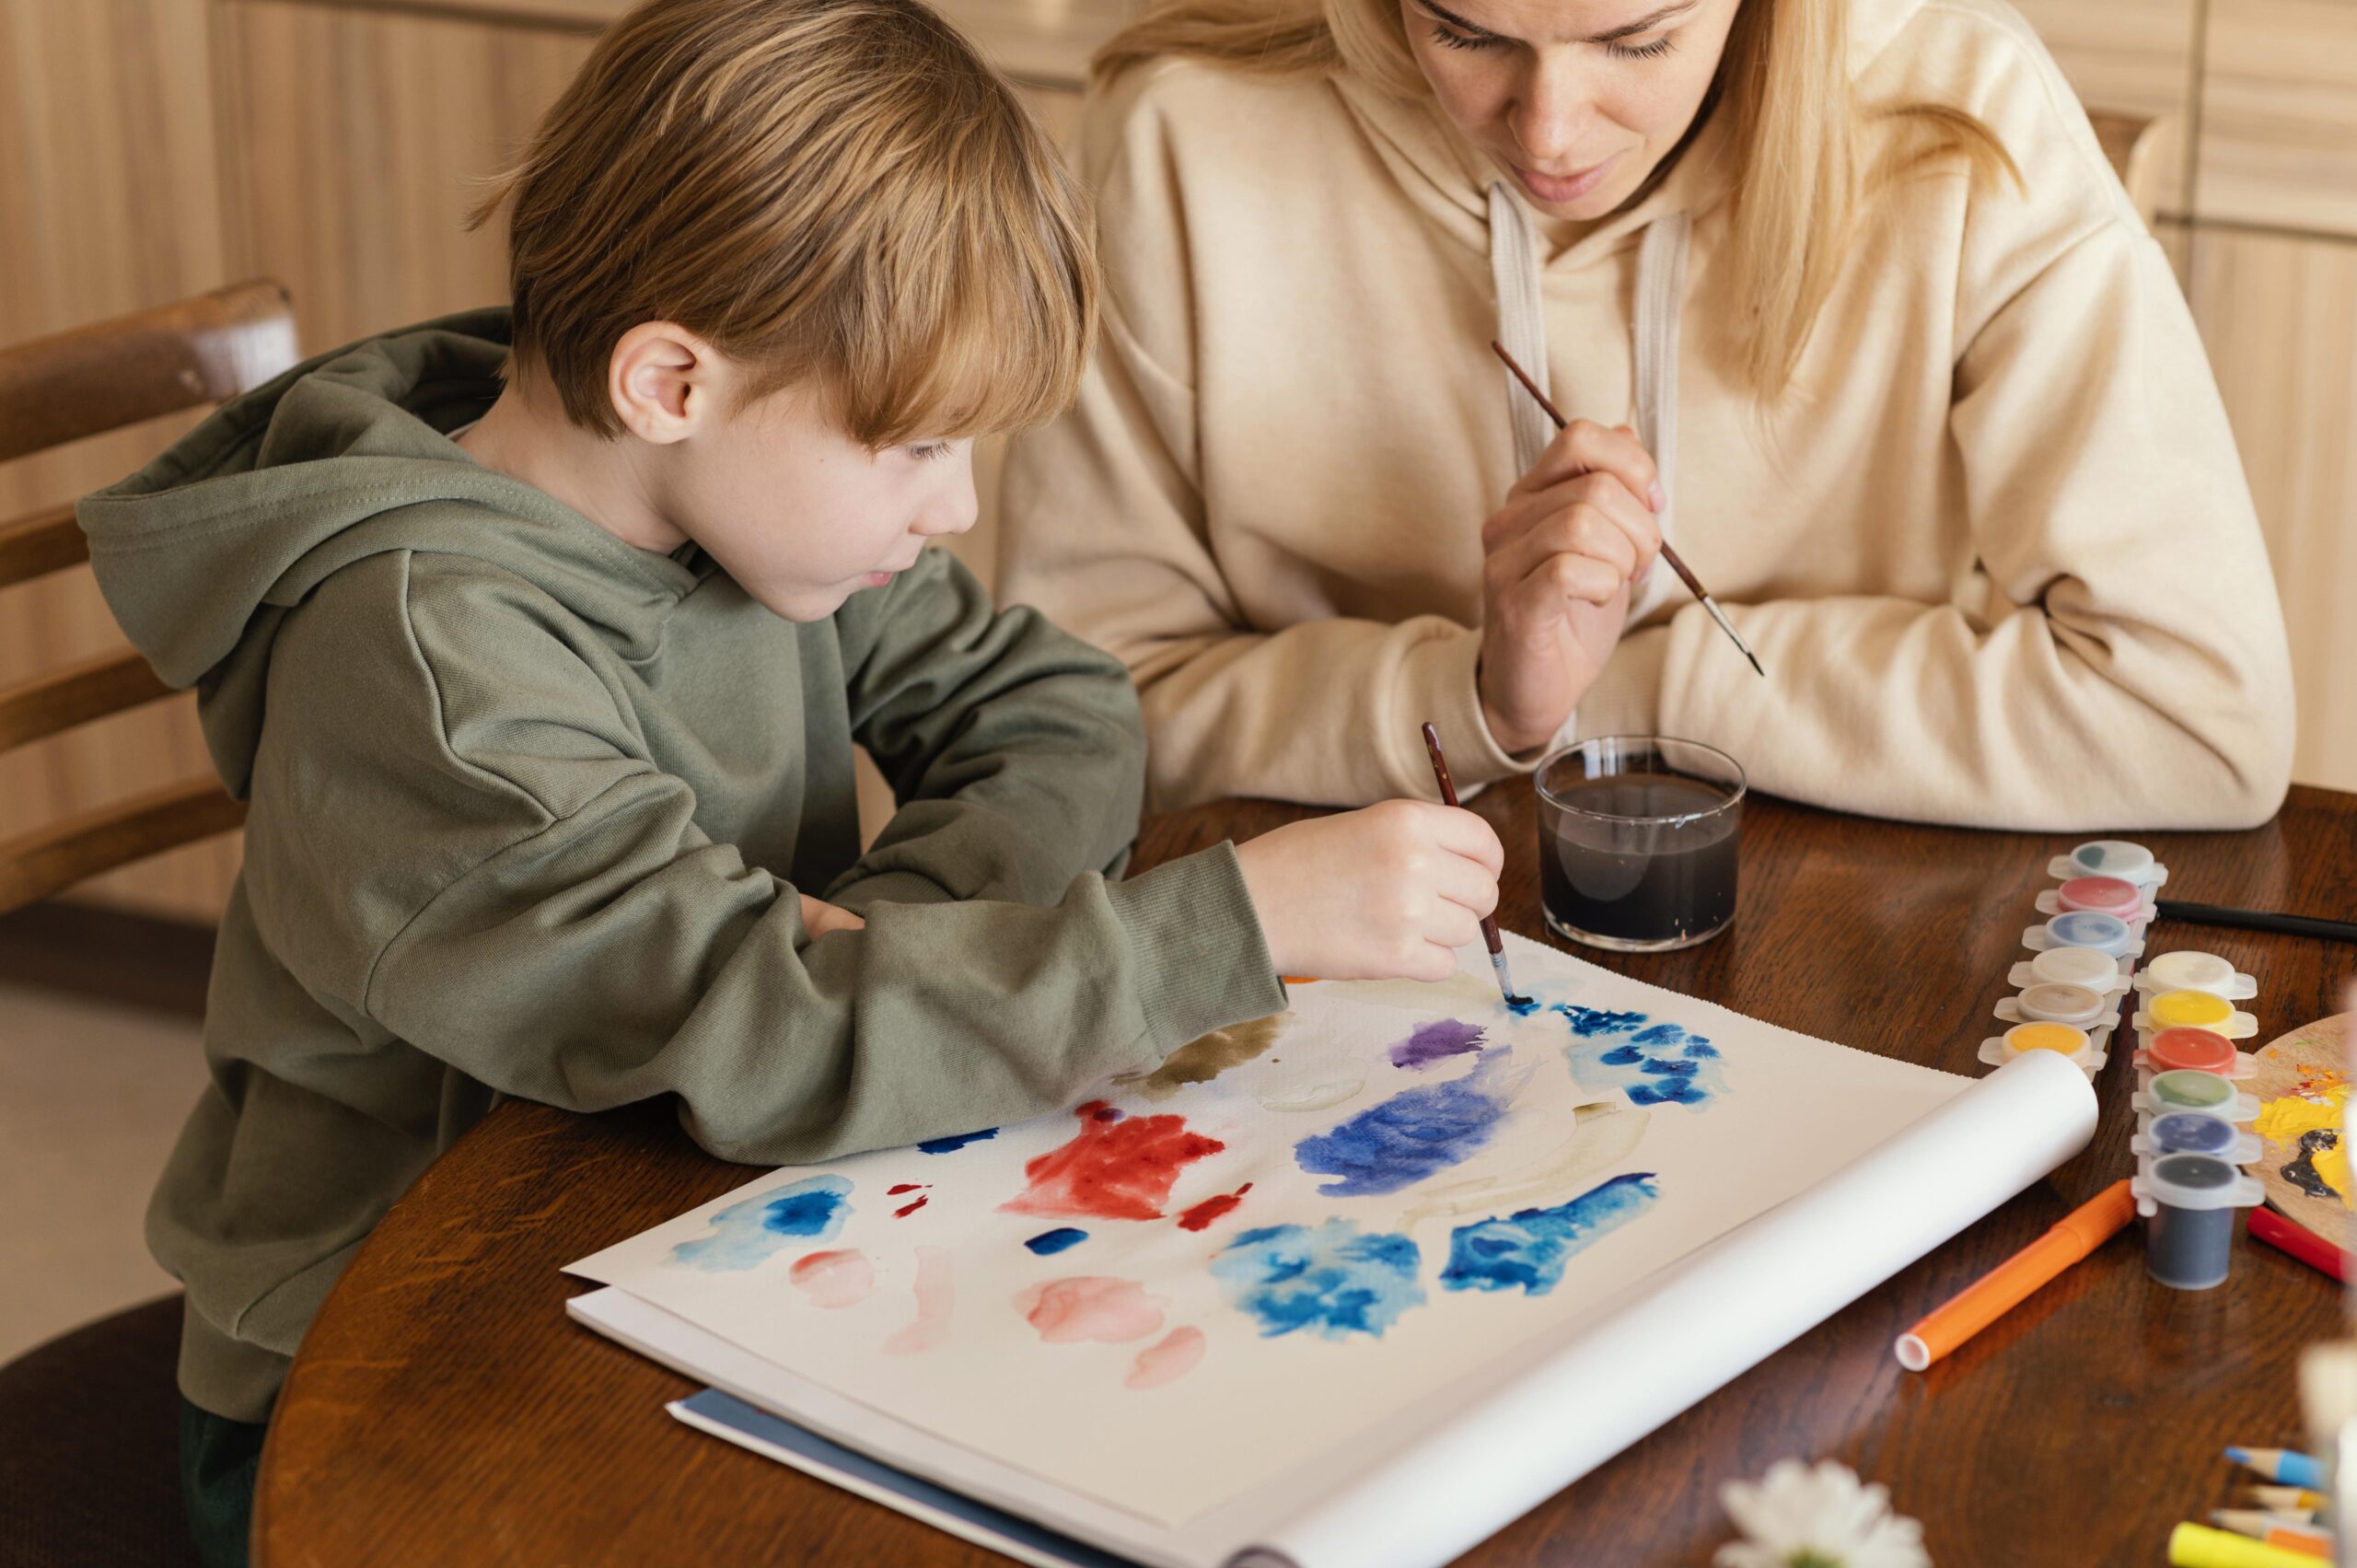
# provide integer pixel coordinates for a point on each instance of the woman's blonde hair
(834, 189)
(1784, 78)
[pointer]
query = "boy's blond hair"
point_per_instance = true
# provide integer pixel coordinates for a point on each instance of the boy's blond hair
(838, 191)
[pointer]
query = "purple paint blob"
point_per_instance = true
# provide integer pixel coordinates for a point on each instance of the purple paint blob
(1436, 1041)
(1414, 1135)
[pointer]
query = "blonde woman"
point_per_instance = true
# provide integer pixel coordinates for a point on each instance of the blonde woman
(1843, 299)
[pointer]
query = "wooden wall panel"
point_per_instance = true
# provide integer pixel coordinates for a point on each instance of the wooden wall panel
(2278, 116)
(2278, 316)
(108, 203)
(2129, 56)
(355, 142)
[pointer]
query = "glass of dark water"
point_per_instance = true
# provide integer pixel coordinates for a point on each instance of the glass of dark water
(1637, 842)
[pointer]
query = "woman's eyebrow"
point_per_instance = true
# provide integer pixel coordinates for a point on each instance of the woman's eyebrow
(1629, 29)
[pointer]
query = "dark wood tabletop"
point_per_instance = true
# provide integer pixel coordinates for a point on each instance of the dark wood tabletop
(444, 1411)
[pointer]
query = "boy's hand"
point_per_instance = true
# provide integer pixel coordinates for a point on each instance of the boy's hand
(1557, 560)
(818, 917)
(1386, 894)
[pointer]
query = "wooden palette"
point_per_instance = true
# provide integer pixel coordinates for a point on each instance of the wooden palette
(2301, 1065)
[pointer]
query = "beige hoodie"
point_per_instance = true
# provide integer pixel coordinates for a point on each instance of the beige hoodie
(1994, 550)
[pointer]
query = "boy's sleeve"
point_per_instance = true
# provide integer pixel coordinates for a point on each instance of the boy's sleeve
(1015, 751)
(561, 929)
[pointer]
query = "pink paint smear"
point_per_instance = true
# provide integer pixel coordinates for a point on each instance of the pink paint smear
(1117, 1168)
(834, 1279)
(1168, 1360)
(1073, 1311)
(934, 1296)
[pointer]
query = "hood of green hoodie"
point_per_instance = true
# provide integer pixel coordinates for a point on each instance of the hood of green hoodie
(203, 552)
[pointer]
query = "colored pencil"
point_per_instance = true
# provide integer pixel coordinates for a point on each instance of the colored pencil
(2300, 1242)
(2275, 1529)
(1489, 922)
(2281, 1465)
(2255, 920)
(2013, 1280)
(2198, 1546)
(1694, 583)
(2285, 1499)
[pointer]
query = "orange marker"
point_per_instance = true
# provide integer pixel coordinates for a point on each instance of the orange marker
(2013, 1280)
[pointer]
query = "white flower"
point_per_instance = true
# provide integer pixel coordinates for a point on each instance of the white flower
(1820, 1518)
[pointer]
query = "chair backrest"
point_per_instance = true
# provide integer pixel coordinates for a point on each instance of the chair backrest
(2133, 143)
(85, 382)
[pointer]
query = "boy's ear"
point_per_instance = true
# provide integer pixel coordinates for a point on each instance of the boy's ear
(664, 381)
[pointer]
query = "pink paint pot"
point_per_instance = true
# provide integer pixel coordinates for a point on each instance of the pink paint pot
(2105, 895)
(2198, 1049)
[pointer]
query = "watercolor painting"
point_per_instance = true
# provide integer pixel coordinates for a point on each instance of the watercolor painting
(1316, 1220)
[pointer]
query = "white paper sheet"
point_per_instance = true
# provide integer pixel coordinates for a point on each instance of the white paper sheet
(1890, 1160)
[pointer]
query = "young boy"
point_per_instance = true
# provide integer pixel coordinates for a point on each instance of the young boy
(544, 687)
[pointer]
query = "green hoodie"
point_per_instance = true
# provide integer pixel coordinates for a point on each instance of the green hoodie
(529, 811)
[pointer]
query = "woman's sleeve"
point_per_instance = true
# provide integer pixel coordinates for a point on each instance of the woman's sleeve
(1103, 527)
(2119, 660)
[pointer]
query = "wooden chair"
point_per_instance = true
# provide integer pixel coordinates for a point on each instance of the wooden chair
(62, 388)
(2133, 143)
(89, 1429)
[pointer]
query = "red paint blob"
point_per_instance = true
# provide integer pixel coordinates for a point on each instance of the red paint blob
(1117, 1168)
(2109, 894)
(1202, 1215)
(907, 1186)
(2201, 1049)
(906, 1210)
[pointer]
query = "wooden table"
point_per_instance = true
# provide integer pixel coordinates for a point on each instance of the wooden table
(444, 1411)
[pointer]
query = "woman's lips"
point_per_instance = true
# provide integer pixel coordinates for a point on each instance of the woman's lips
(1555, 190)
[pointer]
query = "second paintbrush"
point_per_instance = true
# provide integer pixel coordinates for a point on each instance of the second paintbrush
(1685, 576)
(1490, 937)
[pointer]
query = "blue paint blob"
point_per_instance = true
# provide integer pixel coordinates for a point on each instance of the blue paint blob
(746, 1235)
(1522, 1006)
(1411, 1135)
(1436, 1041)
(955, 1141)
(1048, 1243)
(1589, 1022)
(1334, 1281)
(1528, 1248)
(1657, 1064)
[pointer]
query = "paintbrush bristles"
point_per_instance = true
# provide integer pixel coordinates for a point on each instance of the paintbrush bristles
(1693, 583)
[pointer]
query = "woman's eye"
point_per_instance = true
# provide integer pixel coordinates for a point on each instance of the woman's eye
(1653, 50)
(930, 450)
(1449, 38)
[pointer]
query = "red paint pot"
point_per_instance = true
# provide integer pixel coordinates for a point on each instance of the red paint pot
(2106, 895)
(2197, 1049)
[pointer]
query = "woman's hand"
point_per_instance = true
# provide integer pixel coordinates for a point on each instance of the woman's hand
(1384, 893)
(1558, 558)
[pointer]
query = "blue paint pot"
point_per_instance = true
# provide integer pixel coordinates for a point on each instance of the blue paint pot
(2090, 928)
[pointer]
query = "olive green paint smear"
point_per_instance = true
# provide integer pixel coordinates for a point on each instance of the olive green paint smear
(1200, 1060)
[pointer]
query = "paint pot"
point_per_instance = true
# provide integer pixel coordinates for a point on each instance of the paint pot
(2074, 1004)
(1637, 839)
(2196, 1132)
(2196, 1050)
(2111, 857)
(2098, 895)
(2085, 928)
(2186, 1090)
(2191, 1201)
(2196, 971)
(2099, 972)
(2063, 1039)
(2195, 1010)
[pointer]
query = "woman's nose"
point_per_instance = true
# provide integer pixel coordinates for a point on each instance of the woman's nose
(1550, 110)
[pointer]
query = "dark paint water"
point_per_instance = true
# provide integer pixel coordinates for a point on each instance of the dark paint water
(1639, 881)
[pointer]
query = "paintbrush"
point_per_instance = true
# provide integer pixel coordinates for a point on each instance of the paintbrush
(1684, 574)
(1489, 922)
(2255, 920)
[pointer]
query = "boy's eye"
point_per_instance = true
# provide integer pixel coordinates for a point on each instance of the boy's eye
(1653, 50)
(928, 450)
